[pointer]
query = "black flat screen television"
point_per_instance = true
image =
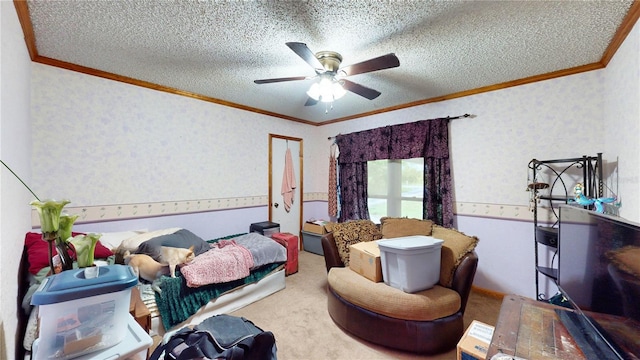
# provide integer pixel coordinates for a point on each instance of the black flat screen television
(599, 273)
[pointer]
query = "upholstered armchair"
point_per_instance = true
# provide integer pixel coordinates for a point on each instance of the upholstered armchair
(429, 321)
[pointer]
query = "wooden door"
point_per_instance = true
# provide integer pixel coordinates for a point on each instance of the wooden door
(291, 220)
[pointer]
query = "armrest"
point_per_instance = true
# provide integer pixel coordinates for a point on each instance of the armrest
(331, 255)
(463, 277)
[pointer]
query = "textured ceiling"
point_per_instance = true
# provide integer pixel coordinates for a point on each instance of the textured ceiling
(214, 49)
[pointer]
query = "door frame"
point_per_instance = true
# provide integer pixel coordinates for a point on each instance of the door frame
(300, 180)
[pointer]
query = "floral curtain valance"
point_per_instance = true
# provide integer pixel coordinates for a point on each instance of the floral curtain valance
(364, 145)
(403, 141)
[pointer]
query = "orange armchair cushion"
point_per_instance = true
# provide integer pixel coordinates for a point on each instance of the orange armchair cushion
(427, 305)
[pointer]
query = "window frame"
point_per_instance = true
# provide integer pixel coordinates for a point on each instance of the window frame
(393, 197)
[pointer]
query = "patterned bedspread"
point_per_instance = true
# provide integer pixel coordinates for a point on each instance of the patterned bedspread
(177, 301)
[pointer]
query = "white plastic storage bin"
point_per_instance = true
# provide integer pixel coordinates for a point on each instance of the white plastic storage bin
(311, 243)
(410, 263)
(134, 346)
(78, 315)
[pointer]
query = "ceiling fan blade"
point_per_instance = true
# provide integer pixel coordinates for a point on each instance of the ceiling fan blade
(310, 102)
(267, 81)
(359, 89)
(306, 54)
(381, 62)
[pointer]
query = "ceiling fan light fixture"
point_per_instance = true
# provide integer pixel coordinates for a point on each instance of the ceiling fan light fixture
(330, 83)
(328, 89)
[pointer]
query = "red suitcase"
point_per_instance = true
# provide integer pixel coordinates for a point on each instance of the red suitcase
(290, 242)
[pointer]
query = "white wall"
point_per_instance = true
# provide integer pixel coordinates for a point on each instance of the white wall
(116, 143)
(622, 124)
(15, 148)
(556, 118)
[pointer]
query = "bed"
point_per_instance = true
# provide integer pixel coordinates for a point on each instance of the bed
(226, 274)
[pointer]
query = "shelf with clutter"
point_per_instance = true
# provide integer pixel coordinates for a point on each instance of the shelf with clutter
(551, 183)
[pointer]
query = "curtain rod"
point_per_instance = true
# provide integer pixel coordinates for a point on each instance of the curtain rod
(448, 118)
(460, 116)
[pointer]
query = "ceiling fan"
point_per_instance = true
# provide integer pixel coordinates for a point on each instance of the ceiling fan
(331, 83)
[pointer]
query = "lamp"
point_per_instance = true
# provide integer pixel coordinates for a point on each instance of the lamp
(326, 90)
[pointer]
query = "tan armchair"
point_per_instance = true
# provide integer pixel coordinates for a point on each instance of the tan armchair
(429, 321)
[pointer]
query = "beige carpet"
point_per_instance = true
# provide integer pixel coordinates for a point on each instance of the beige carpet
(303, 328)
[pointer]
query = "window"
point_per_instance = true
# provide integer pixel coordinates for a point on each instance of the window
(395, 188)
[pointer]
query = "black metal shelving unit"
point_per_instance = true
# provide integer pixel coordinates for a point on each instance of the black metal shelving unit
(555, 193)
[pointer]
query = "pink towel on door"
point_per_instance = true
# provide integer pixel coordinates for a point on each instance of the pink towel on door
(288, 181)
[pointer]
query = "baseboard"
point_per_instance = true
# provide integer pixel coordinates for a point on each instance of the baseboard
(487, 292)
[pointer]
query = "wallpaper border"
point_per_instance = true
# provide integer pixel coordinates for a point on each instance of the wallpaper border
(101, 213)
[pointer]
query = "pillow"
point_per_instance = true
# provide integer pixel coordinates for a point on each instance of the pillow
(182, 238)
(264, 250)
(456, 245)
(132, 243)
(397, 227)
(38, 251)
(112, 240)
(352, 232)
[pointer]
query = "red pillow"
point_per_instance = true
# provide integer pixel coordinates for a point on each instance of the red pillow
(38, 251)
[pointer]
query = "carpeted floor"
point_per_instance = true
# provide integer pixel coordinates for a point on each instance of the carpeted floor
(303, 328)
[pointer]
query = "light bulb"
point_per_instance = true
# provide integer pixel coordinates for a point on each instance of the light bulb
(326, 90)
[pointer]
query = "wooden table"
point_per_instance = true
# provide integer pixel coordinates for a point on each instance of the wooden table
(532, 330)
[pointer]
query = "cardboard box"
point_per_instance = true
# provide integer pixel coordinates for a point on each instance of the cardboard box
(328, 226)
(364, 258)
(316, 227)
(474, 344)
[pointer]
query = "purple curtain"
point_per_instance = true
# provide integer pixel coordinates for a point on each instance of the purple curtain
(355, 150)
(353, 192)
(427, 138)
(437, 200)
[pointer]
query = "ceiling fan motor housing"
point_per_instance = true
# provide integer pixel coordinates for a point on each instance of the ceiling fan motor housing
(330, 60)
